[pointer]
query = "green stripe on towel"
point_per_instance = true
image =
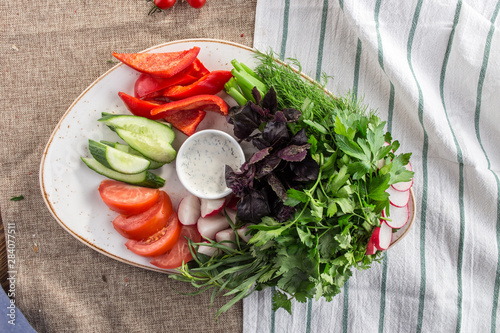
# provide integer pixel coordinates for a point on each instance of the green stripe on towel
(284, 37)
(482, 75)
(425, 180)
(460, 172)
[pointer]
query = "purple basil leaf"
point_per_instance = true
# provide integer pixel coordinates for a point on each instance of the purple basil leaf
(270, 100)
(260, 155)
(292, 115)
(277, 186)
(253, 206)
(245, 120)
(294, 153)
(282, 212)
(306, 170)
(268, 165)
(256, 95)
(260, 143)
(240, 182)
(276, 131)
(300, 138)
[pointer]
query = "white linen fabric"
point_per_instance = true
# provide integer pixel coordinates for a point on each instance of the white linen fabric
(431, 69)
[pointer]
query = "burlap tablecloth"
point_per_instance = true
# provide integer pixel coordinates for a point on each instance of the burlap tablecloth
(50, 52)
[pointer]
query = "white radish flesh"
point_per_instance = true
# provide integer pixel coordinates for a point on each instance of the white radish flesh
(404, 186)
(207, 250)
(226, 237)
(398, 198)
(242, 232)
(209, 226)
(398, 216)
(189, 210)
(231, 213)
(211, 207)
(382, 236)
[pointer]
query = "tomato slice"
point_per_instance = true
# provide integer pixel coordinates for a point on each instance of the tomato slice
(180, 252)
(160, 242)
(127, 199)
(143, 225)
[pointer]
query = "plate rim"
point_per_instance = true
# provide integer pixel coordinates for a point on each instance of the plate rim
(84, 92)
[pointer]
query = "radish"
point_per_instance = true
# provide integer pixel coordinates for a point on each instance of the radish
(226, 237)
(207, 250)
(370, 248)
(404, 186)
(399, 216)
(209, 226)
(189, 210)
(211, 207)
(231, 213)
(242, 232)
(380, 164)
(232, 201)
(382, 236)
(398, 198)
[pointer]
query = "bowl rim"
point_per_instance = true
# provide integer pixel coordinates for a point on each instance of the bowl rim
(182, 150)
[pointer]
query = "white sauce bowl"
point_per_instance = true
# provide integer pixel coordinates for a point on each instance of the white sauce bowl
(201, 162)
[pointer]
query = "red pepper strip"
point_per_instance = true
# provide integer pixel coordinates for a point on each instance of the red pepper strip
(209, 84)
(200, 102)
(147, 86)
(197, 69)
(163, 65)
(139, 107)
(185, 121)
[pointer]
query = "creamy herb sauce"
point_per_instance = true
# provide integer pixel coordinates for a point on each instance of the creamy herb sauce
(201, 166)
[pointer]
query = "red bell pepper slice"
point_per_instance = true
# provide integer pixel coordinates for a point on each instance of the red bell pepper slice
(197, 69)
(148, 86)
(200, 102)
(186, 121)
(163, 65)
(139, 107)
(209, 84)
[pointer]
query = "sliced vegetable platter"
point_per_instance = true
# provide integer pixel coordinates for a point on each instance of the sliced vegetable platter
(69, 188)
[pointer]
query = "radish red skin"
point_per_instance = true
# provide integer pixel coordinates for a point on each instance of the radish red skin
(382, 236)
(370, 248)
(211, 207)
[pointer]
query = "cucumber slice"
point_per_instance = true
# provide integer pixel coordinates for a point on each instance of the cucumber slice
(130, 150)
(116, 159)
(152, 148)
(140, 125)
(145, 178)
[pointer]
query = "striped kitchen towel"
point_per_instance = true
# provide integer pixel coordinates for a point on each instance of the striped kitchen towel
(431, 69)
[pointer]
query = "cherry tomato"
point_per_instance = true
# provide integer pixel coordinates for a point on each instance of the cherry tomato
(164, 4)
(180, 252)
(145, 224)
(127, 199)
(160, 242)
(196, 3)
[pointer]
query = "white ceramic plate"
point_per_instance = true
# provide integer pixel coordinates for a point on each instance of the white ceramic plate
(69, 187)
